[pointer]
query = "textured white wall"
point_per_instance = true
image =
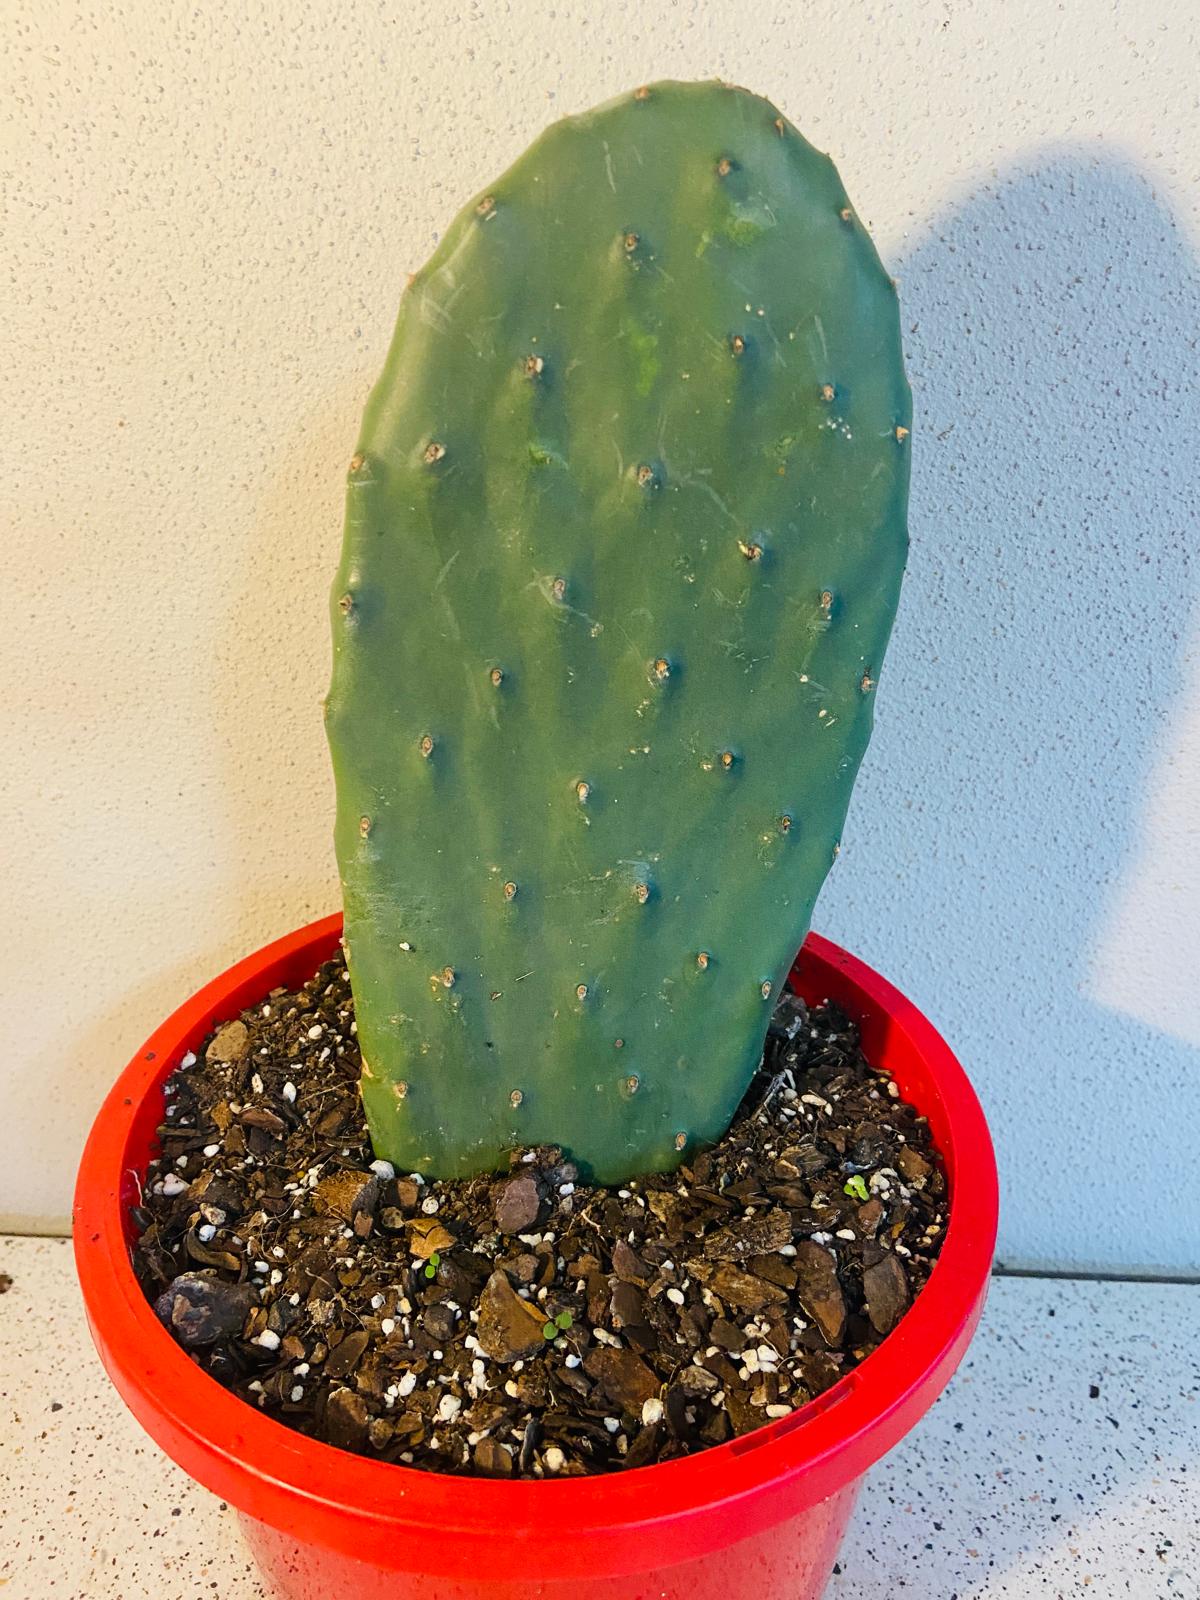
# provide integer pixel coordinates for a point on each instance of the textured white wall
(208, 216)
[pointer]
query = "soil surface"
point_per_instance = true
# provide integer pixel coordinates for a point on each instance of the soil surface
(526, 1323)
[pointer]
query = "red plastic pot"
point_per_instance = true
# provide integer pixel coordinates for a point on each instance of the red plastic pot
(760, 1517)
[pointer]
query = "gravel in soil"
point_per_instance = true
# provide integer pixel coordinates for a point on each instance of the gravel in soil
(528, 1323)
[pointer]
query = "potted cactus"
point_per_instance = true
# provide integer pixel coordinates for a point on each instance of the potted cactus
(625, 531)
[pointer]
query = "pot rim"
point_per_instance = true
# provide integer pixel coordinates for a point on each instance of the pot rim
(681, 1508)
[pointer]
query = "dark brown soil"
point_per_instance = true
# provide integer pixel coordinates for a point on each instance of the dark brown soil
(528, 1324)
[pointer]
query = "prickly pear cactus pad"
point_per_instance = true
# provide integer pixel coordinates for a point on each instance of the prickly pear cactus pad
(624, 538)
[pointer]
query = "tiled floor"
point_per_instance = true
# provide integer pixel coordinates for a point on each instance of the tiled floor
(1020, 1483)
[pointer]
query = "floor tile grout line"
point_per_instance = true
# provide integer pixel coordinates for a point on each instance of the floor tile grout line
(1079, 1275)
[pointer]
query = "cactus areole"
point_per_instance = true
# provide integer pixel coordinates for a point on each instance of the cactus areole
(624, 538)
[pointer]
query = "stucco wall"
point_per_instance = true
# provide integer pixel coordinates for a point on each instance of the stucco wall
(208, 215)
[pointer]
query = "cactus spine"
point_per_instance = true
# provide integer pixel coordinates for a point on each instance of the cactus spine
(624, 538)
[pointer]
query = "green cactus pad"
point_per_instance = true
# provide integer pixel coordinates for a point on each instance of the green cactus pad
(624, 539)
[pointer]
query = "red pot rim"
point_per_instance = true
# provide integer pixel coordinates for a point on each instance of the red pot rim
(440, 1523)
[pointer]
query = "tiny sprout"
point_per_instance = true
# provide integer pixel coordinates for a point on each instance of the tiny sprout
(582, 789)
(510, 891)
(426, 745)
(435, 1260)
(564, 1319)
(432, 1264)
(497, 676)
(515, 1098)
(856, 1188)
(434, 451)
(549, 1331)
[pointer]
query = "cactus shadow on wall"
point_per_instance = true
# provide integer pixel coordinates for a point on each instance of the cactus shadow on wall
(1034, 684)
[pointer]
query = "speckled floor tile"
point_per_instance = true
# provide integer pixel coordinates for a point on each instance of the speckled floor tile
(90, 1509)
(1064, 1459)
(1021, 1482)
